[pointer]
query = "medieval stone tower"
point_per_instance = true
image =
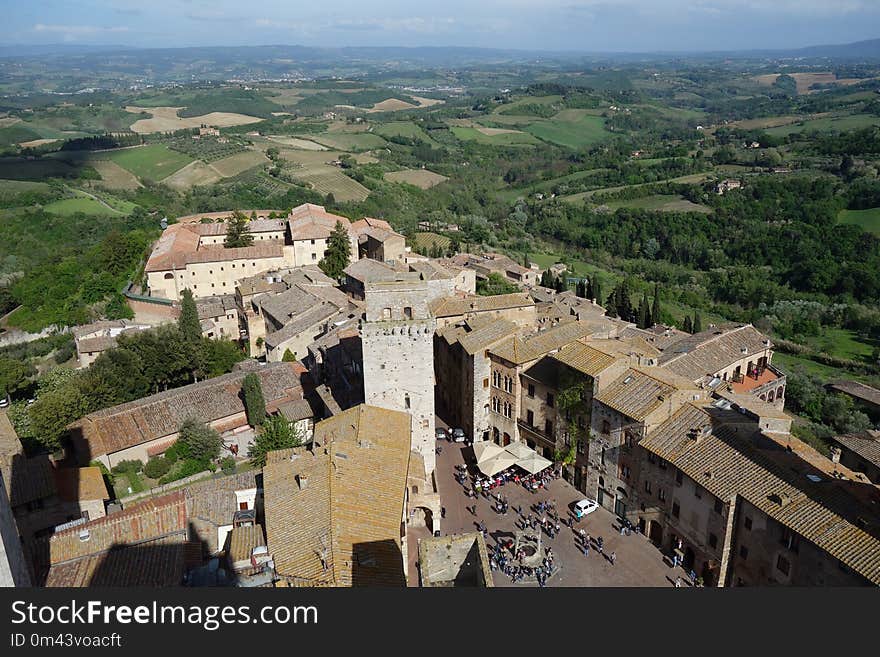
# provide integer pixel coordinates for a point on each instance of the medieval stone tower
(13, 569)
(397, 337)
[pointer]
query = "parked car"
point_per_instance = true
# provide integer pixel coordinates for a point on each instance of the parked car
(4, 402)
(440, 434)
(585, 507)
(458, 435)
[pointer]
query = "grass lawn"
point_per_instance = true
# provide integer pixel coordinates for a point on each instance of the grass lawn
(586, 131)
(661, 202)
(153, 162)
(349, 141)
(867, 219)
(842, 343)
(825, 373)
(513, 193)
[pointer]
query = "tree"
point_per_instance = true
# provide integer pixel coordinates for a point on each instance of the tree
(200, 442)
(655, 308)
(254, 402)
(330, 200)
(643, 313)
(276, 433)
(686, 325)
(338, 253)
(288, 357)
(13, 375)
(454, 246)
(559, 284)
(698, 322)
(188, 323)
(597, 290)
(495, 284)
(237, 234)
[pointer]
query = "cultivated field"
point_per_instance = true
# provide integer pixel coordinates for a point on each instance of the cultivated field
(513, 138)
(236, 164)
(114, 176)
(661, 202)
(165, 119)
(691, 179)
(153, 162)
(313, 168)
(827, 124)
(428, 240)
(403, 129)
(806, 80)
(586, 131)
(34, 143)
(350, 141)
(419, 177)
(295, 142)
(193, 174)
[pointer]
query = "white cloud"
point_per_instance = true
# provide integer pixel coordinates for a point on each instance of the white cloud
(78, 30)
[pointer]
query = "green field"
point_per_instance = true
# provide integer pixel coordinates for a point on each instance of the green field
(789, 363)
(691, 179)
(842, 343)
(586, 131)
(88, 205)
(153, 162)
(348, 141)
(503, 139)
(511, 194)
(403, 129)
(828, 124)
(428, 240)
(21, 186)
(661, 202)
(868, 219)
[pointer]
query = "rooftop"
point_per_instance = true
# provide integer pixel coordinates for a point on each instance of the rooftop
(520, 350)
(725, 459)
(708, 352)
(333, 514)
(638, 392)
(866, 445)
(455, 305)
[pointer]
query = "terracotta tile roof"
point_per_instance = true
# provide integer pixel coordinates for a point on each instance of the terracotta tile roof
(659, 336)
(179, 246)
(243, 540)
(214, 501)
(253, 226)
(487, 335)
(75, 484)
(95, 345)
(368, 222)
(711, 351)
(140, 546)
(639, 391)
(858, 390)
(866, 445)
(584, 358)
(112, 429)
(432, 270)
(452, 306)
(27, 479)
(305, 321)
(209, 307)
(722, 458)
(367, 269)
(309, 221)
(343, 526)
(520, 350)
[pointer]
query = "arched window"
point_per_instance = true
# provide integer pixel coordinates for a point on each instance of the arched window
(168, 276)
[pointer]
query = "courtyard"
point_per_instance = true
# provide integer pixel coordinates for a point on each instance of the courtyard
(638, 562)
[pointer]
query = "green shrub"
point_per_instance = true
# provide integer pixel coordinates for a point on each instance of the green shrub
(174, 453)
(227, 464)
(157, 467)
(126, 467)
(187, 468)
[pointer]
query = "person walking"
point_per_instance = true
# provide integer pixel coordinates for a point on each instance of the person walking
(613, 557)
(678, 582)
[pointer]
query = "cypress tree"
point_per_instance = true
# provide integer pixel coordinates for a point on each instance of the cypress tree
(698, 322)
(686, 327)
(254, 401)
(655, 309)
(338, 253)
(643, 314)
(237, 234)
(588, 289)
(597, 291)
(560, 284)
(188, 322)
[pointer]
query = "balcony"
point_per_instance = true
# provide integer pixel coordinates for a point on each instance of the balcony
(759, 377)
(536, 433)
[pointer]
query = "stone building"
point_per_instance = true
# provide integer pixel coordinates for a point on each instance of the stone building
(518, 308)
(337, 514)
(92, 340)
(742, 506)
(219, 317)
(461, 560)
(623, 413)
(861, 452)
(397, 334)
(13, 566)
(147, 427)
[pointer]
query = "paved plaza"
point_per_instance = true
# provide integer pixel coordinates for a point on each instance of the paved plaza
(638, 562)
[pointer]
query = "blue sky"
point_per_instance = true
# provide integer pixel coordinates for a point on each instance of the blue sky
(587, 25)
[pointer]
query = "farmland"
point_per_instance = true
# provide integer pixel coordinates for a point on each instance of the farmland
(511, 138)
(167, 119)
(586, 131)
(153, 162)
(661, 203)
(421, 178)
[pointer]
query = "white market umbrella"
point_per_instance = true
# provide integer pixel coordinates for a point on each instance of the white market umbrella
(486, 449)
(519, 450)
(492, 466)
(534, 463)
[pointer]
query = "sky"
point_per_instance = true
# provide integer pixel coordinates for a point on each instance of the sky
(580, 25)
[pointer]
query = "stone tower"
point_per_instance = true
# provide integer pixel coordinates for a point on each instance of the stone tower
(397, 337)
(13, 569)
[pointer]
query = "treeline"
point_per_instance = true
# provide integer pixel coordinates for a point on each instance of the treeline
(102, 142)
(767, 241)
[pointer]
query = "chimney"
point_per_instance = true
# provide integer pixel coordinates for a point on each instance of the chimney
(835, 454)
(303, 481)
